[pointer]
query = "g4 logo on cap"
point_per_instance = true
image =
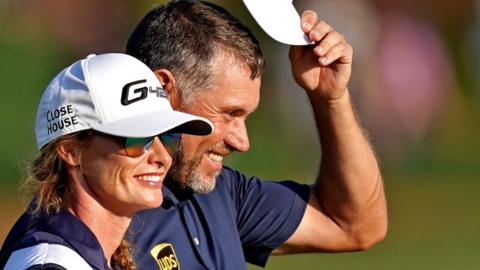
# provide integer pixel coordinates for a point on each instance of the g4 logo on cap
(139, 93)
(165, 256)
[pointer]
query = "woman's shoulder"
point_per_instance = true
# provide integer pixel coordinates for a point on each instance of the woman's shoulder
(46, 256)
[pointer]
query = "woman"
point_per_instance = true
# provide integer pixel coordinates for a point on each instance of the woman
(106, 131)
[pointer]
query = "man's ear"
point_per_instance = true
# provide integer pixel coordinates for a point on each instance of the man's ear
(70, 154)
(169, 84)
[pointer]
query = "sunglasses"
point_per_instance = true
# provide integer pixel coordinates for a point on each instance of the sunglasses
(135, 147)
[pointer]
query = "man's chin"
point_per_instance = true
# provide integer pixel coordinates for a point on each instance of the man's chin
(194, 174)
(202, 184)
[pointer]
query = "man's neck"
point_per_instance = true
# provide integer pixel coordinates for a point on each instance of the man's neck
(180, 191)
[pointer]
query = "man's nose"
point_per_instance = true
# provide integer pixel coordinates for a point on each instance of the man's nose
(237, 137)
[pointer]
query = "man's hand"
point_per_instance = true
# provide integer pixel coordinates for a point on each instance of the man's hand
(325, 66)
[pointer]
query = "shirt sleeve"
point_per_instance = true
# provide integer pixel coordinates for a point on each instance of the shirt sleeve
(268, 213)
(46, 256)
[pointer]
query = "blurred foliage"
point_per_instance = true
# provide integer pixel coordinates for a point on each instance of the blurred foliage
(24, 74)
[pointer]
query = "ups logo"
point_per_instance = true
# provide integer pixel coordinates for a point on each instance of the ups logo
(165, 256)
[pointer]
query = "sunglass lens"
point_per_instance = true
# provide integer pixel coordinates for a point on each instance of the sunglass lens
(170, 141)
(135, 147)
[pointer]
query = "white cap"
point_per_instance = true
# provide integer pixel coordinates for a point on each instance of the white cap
(114, 94)
(279, 19)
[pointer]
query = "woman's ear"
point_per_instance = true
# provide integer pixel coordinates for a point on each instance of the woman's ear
(169, 84)
(70, 154)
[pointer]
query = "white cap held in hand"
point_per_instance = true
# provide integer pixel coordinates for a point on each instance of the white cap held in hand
(279, 19)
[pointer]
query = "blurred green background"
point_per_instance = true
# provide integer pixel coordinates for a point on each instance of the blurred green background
(416, 88)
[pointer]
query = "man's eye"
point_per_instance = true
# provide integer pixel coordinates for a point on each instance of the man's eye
(234, 113)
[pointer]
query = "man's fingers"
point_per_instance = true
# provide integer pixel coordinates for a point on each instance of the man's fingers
(319, 31)
(341, 51)
(330, 45)
(328, 42)
(309, 19)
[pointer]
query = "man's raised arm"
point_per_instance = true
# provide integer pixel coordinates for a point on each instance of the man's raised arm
(347, 206)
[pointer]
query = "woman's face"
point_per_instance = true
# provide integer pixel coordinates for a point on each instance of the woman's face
(120, 183)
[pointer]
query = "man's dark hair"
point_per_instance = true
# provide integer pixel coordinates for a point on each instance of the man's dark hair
(185, 37)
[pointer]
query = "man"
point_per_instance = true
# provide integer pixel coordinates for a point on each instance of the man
(215, 217)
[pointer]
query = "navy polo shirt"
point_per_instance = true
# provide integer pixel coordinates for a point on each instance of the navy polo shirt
(58, 241)
(242, 220)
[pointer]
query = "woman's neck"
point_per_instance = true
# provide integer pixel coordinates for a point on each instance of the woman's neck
(109, 227)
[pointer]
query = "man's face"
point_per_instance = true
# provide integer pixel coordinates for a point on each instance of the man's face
(232, 97)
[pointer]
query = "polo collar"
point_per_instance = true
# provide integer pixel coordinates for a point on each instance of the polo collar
(175, 198)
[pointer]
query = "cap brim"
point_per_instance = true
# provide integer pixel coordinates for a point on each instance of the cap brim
(154, 123)
(279, 19)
